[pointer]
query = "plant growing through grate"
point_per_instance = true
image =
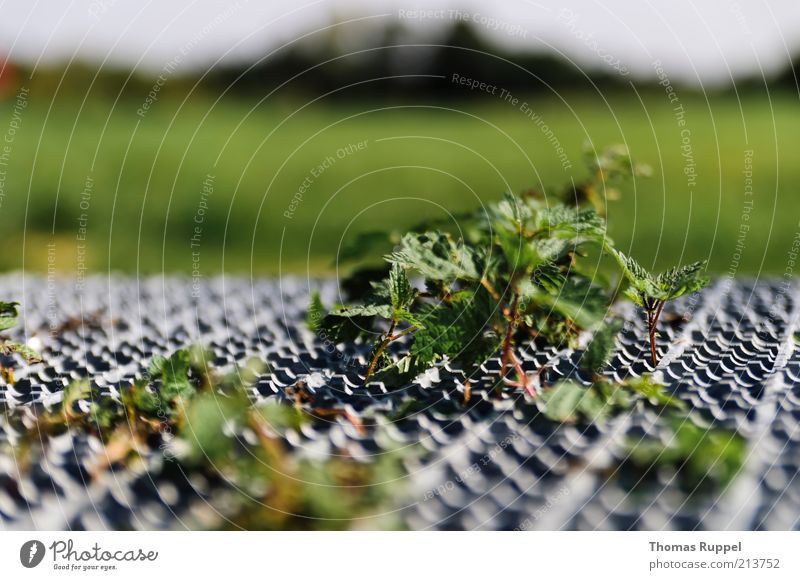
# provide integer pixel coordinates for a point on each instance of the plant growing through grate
(517, 271)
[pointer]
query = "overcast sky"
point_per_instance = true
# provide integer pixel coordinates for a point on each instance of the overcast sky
(697, 40)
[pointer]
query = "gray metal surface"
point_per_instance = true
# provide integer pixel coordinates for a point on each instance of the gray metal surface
(492, 464)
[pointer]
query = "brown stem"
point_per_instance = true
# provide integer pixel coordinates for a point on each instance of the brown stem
(658, 311)
(494, 293)
(653, 353)
(653, 314)
(512, 317)
(508, 357)
(384, 344)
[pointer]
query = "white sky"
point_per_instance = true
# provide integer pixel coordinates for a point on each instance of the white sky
(697, 40)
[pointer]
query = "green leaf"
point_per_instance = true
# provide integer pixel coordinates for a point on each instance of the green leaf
(315, 313)
(8, 315)
(597, 354)
(682, 280)
(173, 373)
(411, 318)
(437, 257)
(653, 392)
(8, 347)
(74, 392)
(582, 225)
(568, 401)
(666, 286)
(573, 297)
(459, 330)
(521, 255)
(703, 458)
(347, 323)
(401, 293)
(643, 285)
(363, 310)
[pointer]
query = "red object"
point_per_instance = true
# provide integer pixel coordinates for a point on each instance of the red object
(8, 77)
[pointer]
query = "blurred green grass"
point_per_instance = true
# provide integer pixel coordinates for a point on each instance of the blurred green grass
(147, 175)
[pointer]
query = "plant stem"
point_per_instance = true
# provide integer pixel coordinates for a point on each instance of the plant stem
(488, 285)
(508, 357)
(653, 314)
(379, 351)
(384, 344)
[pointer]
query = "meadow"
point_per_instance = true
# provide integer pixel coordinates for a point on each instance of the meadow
(202, 185)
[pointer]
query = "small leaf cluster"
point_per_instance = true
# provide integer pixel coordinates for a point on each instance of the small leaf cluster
(9, 315)
(205, 423)
(693, 455)
(608, 169)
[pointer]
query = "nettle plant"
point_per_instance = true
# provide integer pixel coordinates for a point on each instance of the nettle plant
(651, 293)
(519, 270)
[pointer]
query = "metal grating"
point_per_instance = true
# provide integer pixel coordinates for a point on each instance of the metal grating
(494, 464)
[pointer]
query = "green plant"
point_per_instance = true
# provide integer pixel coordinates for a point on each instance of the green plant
(696, 456)
(8, 319)
(197, 416)
(514, 275)
(569, 402)
(651, 293)
(608, 169)
(516, 272)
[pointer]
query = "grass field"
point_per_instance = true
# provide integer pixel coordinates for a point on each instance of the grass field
(204, 186)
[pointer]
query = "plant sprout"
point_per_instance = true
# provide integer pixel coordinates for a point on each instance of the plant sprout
(651, 293)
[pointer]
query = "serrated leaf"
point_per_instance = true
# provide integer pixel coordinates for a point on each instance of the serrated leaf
(666, 286)
(437, 257)
(639, 278)
(576, 299)
(682, 280)
(459, 330)
(173, 374)
(597, 354)
(583, 225)
(363, 310)
(315, 313)
(401, 292)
